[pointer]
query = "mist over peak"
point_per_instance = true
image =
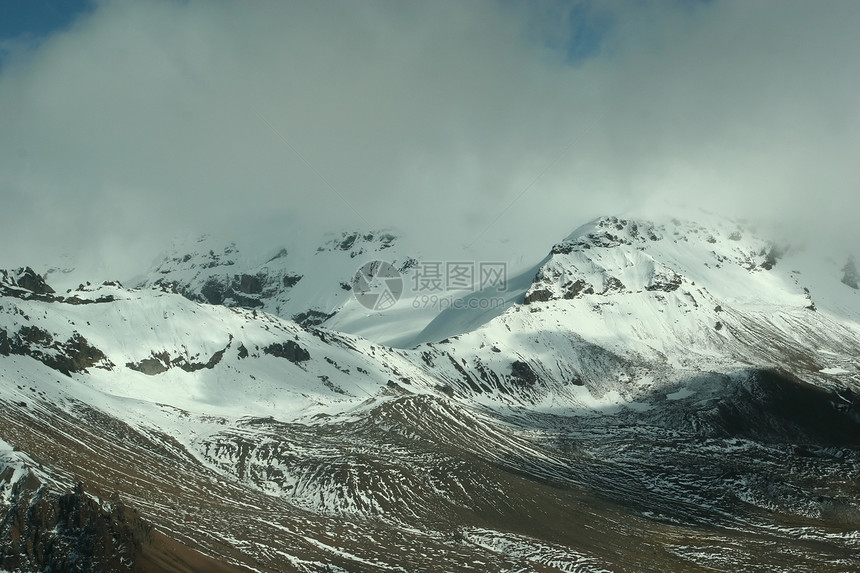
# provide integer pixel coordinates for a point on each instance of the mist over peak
(483, 129)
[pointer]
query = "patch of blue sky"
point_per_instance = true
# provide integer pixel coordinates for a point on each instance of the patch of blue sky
(580, 30)
(30, 19)
(26, 23)
(35, 19)
(587, 29)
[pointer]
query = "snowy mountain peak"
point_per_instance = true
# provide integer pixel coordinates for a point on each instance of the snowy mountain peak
(204, 253)
(615, 255)
(701, 293)
(307, 285)
(357, 244)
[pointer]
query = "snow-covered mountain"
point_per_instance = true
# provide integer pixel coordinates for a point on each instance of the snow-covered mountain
(696, 293)
(307, 287)
(653, 395)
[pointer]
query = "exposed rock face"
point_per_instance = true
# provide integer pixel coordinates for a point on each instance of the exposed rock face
(24, 283)
(76, 354)
(577, 287)
(289, 350)
(612, 285)
(241, 290)
(249, 284)
(569, 290)
(666, 282)
(45, 531)
(159, 362)
(213, 291)
(539, 295)
(312, 317)
(26, 278)
(522, 373)
(291, 280)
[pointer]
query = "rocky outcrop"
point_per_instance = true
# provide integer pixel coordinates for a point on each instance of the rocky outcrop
(24, 283)
(667, 281)
(577, 287)
(46, 531)
(27, 279)
(312, 317)
(157, 363)
(289, 350)
(76, 354)
(538, 295)
(242, 290)
(160, 362)
(522, 373)
(290, 280)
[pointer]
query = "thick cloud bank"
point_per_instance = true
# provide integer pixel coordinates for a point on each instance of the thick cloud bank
(493, 125)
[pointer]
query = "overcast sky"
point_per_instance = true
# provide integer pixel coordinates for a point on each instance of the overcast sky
(124, 124)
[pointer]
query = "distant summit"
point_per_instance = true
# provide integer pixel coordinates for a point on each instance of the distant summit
(308, 287)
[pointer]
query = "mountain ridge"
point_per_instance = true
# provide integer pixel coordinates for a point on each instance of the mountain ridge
(670, 382)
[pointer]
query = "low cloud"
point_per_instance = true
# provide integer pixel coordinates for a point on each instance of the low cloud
(497, 126)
